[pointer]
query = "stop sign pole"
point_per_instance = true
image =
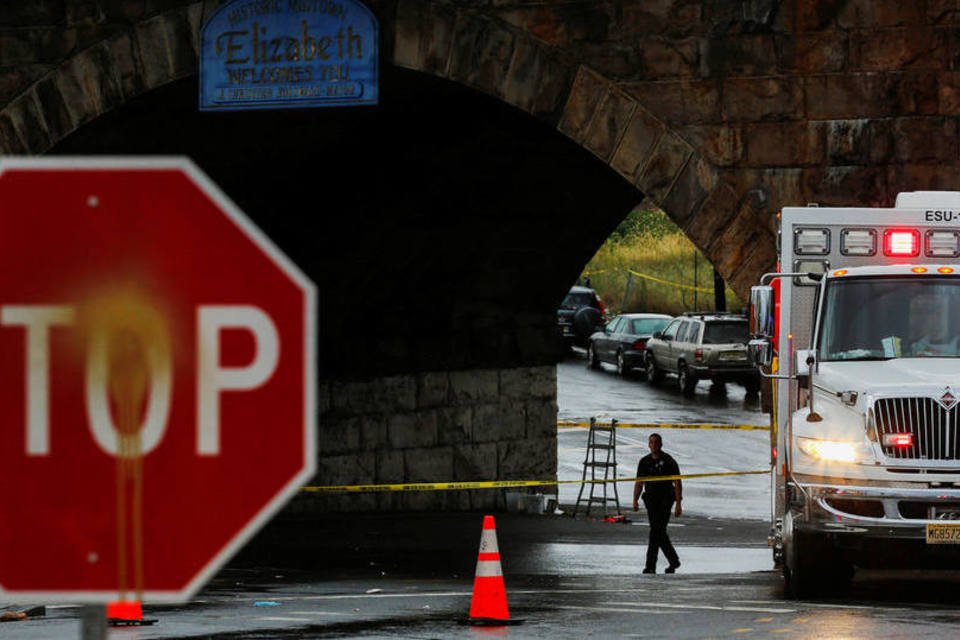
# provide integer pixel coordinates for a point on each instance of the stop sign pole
(157, 379)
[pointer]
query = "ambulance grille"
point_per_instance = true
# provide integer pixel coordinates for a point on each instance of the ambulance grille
(934, 429)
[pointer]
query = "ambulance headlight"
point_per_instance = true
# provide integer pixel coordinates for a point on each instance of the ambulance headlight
(831, 450)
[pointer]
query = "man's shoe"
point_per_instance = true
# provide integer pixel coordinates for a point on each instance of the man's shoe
(649, 570)
(672, 568)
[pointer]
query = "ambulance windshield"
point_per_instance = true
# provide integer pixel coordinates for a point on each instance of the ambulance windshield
(879, 318)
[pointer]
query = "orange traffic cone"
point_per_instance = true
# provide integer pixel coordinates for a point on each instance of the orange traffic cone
(126, 613)
(489, 603)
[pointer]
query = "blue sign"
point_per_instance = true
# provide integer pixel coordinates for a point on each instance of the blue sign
(264, 54)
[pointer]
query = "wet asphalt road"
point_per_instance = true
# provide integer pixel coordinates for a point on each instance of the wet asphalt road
(411, 575)
(601, 600)
(583, 393)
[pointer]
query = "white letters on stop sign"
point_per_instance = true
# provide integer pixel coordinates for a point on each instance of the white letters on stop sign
(212, 377)
(37, 320)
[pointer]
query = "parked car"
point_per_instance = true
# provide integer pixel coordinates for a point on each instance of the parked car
(580, 314)
(623, 341)
(702, 346)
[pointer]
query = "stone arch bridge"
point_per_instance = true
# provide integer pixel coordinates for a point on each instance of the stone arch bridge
(444, 225)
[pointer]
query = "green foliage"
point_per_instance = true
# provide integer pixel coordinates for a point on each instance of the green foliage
(643, 221)
(647, 242)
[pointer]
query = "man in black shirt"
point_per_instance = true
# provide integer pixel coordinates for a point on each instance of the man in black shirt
(658, 498)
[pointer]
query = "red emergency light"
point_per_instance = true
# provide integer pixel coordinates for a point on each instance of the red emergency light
(898, 440)
(901, 242)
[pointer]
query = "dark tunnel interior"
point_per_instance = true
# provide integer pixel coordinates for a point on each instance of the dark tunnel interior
(442, 227)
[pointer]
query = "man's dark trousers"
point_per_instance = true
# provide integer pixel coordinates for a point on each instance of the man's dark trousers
(658, 514)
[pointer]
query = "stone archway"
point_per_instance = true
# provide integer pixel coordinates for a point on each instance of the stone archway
(721, 112)
(513, 65)
(101, 76)
(456, 43)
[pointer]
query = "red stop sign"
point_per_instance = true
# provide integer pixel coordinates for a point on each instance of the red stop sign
(157, 362)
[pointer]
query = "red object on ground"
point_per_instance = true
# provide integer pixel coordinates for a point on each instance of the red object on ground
(142, 266)
(489, 602)
(125, 610)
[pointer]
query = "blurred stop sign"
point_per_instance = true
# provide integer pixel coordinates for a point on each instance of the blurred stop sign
(157, 368)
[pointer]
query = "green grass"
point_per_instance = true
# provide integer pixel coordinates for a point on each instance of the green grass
(647, 242)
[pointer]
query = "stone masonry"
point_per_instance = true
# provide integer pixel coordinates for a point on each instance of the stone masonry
(435, 427)
(722, 111)
(719, 111)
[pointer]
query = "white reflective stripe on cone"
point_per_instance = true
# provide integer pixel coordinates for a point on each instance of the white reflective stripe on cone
(489, 569)
(488, 541)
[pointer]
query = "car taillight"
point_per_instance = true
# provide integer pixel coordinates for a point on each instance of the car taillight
(901, 242)
(898, 440)
(640, 345)
(603, 307)
(698, 355)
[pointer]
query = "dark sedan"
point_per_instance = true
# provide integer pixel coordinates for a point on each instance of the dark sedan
(623, 341)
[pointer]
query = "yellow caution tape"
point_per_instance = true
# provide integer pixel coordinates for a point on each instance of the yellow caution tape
(502, 484)
(567, 424)
(684, 476)
(667, 282)
(427, 486)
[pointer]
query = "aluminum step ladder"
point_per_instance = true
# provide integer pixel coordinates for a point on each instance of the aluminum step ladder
(603, 439)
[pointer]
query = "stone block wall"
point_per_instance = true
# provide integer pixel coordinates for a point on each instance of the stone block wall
(780, 102)
(447, 426)
(773, 102)
(719, 111)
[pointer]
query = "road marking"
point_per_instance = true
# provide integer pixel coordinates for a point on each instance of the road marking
(819, 605)
(634, 607)
(813, 605)
(710, 607)
(433, 594)
(763, 619)
(743, 630)
(347, 596)
(319, 613)
(613, 609)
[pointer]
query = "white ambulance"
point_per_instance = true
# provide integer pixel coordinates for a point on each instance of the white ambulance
(862, 327)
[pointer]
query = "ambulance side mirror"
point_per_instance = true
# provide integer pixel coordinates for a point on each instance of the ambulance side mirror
(761, 311)
(760, 351)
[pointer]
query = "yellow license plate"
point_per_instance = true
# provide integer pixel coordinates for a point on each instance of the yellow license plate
(943, 533)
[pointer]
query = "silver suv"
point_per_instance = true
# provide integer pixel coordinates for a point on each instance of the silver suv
(702, 346)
